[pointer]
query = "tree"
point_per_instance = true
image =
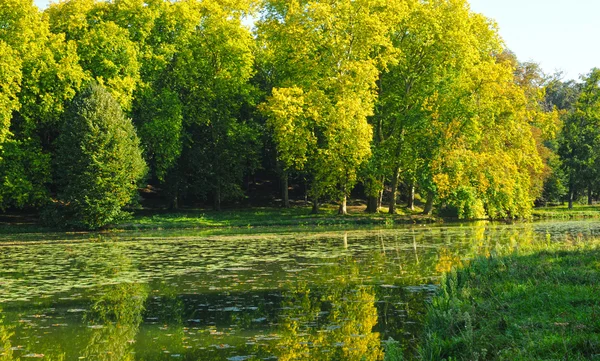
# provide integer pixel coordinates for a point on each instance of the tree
(561, 96)
(580, 142)
(211, 72)
(326, 55)
(10, 81)
(107, 53)
(454, 117)
(110, 57)
(494, 168)
(425, 96)
(40, 72)
(98, 160)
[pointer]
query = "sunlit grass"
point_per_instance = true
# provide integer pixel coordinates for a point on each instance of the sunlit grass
(538, 302)
(240, 219)
(563, 212)
(269, 217)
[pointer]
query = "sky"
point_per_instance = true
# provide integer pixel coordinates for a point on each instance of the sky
(560, 35)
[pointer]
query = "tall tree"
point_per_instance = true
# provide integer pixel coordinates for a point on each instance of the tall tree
(40, 74)
(439, 43)
(326, 56)
(10, 82)
(580, 143)
(212, 70)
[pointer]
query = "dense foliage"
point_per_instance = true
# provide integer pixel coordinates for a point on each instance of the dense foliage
(404, 98)
(98, 160)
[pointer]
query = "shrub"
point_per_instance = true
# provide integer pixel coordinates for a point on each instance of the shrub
(98, 161)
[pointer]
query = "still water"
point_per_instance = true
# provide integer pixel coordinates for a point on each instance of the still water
(180, 296)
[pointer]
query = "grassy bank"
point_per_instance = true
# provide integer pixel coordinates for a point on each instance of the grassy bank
(563, 212)
(542, 303)
(268, 217)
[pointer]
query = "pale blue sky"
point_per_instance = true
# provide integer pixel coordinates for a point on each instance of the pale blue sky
(558, 34)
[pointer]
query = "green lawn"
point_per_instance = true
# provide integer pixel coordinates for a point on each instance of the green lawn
(563, 212)
(274, 218)
(530, 305)
(267, 217)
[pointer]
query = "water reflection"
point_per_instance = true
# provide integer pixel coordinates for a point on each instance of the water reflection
(114, 319)
(331, 296)
(6, 348)
(334, 322)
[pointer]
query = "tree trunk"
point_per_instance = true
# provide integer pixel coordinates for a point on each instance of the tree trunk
(429, 204)
(175, 199)
(380, 198)
(571, 196)
(285, 190)
(590, 196)
(343, 209)
(315, 207)
(217, 197)
(305, 193)
(175, 203)
(372, 204)
(394, 190)
(411, 198)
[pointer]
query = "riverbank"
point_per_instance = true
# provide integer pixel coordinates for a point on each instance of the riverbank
(271, 218)
(563, 212)
(265, 217)
(540, 303)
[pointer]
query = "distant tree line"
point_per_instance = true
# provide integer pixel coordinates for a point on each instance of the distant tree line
(385, 94)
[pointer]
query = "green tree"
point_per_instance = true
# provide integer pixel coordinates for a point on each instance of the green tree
(449, 112)
(98, 161)
(561, 96)
(326, 56)
(439, 43)
(158, 115)
(10, 81)
(110, 57)
(580, 142)
(212, 70)
(40, 72)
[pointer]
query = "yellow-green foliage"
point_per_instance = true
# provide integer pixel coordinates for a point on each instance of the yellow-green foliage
(416, 91)
(328, 57)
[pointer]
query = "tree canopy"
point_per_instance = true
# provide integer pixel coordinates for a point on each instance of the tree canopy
(391, 100)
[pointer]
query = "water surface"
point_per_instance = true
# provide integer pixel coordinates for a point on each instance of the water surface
(180, 296)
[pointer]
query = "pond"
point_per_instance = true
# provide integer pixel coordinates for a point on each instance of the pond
(179, 296)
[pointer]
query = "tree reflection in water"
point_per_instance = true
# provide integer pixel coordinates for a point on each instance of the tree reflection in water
(334, 322)
(115, 318)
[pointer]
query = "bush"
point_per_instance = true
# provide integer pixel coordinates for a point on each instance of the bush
(98, 161)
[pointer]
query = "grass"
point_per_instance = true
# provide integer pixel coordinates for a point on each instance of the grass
(235, 219)
(268, 217)
(563, 212)
(271, 217)
(538, 303)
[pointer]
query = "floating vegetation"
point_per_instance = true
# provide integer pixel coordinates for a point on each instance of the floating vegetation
(317, 296)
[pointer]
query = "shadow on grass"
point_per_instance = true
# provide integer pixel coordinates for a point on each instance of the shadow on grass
(14, 226)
